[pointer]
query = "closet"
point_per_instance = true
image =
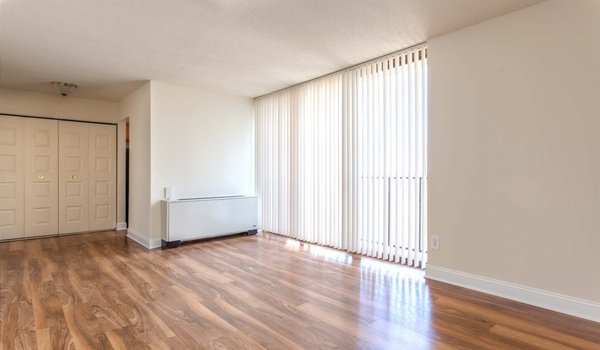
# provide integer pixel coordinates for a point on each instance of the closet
(56, 177)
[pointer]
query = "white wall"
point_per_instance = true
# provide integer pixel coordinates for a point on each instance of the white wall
(514, 154)
(136, 107)
(202, 144)
(55, 106)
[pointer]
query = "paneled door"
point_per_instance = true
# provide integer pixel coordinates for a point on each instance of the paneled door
(12, 171)
(41, 177)
(73, 177)
(102, 177)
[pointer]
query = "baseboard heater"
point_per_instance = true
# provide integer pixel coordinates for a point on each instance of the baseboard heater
(198, 218)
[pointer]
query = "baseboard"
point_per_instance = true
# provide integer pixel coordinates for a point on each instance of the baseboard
(150, 244)
(138, 238)
(548, 300)
(121, 226)
(154, 243)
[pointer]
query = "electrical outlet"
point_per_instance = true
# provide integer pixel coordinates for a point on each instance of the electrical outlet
(435, 242)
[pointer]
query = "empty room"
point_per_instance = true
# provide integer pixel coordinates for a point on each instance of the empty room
(300, 174)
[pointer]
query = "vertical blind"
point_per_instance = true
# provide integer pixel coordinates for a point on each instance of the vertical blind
(341, 160)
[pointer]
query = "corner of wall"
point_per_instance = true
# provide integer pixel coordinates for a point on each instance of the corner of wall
(136, 107)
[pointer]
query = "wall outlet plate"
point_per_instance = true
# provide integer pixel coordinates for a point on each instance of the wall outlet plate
(435, 242)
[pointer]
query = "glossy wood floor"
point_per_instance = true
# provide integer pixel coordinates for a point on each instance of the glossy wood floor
(102, 291)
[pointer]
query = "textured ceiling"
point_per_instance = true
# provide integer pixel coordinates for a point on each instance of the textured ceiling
(240, 47)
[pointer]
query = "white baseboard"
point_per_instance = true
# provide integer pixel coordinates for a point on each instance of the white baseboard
(154, 243)
(548, 300)
(150, 244)
(138, 238)
(121, 226)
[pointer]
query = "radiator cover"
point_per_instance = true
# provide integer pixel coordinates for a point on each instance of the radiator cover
(199, 218)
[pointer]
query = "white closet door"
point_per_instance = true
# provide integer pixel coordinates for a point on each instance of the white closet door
(74, 177)
(103, 176)
(11, 177)
(41, 177)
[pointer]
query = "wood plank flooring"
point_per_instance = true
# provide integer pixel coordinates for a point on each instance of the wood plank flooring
(103, 291)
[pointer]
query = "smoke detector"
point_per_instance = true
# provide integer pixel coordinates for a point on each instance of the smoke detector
(64, 88)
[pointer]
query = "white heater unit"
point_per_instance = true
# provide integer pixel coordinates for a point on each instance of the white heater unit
(199, 218)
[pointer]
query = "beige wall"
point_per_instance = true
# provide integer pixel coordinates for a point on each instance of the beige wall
(55, 106)
(136, 107)
(514, 153)
(202, 145)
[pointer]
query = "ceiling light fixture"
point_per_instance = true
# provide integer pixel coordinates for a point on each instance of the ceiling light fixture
(64, 88)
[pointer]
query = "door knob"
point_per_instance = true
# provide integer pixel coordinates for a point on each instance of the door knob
(41, 177)
(74, 177)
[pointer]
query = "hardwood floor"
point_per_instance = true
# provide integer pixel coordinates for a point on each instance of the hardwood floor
(102, 291)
